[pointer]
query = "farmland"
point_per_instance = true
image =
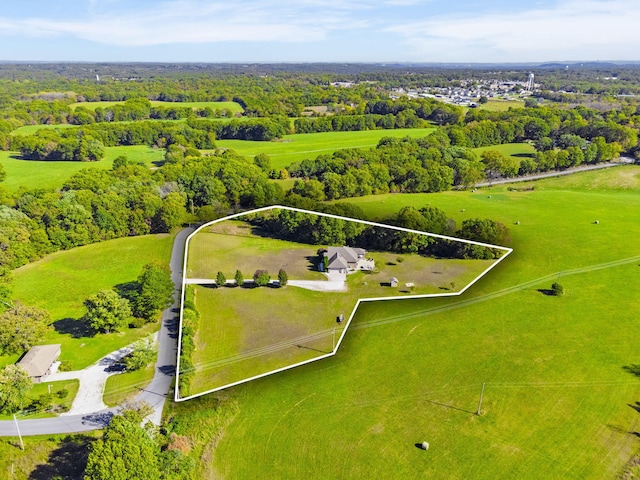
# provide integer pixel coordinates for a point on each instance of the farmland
(52, 174)
(556, 363)
(295, 148)
(244, 332)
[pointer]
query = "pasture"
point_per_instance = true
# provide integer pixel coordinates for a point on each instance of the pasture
(297, 147)
(61, 282)
(244, 332)
(51, 175)
(561, 391)
(501, 105)
(517, 150)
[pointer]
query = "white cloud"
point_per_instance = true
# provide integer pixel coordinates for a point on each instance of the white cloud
(570, 30)
(196, 21)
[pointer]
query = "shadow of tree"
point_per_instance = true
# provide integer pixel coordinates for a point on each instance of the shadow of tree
(75, 327)
(546, 291)
(68, 461)
(312, 260)
(128, 290)
(633, 369)
(635, 406)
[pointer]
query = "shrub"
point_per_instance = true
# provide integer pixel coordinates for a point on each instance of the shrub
(261, 278)
(557, 289)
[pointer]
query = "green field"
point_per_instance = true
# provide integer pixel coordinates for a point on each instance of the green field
(295, 148)
(45, 456)
(233, 106)
(61, 281)
(58, 404)
(125, 386)
(501, 105)
(517, 150)
(48, 174)
(558, 401)
(246, 332)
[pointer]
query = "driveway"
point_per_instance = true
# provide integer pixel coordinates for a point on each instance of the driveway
(92, 382)
(336, 282)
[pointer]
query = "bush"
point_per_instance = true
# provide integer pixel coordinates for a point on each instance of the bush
(261, 278)
(142, 355)
(557, 289)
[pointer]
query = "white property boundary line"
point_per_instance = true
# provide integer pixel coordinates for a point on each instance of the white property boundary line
(177, 397)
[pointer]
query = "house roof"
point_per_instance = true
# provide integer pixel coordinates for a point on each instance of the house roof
(337, 261)
(349, 254)
(38, 360)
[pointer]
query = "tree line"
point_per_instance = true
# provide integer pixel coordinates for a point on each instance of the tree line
(313, 229)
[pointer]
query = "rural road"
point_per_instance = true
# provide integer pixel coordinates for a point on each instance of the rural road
(558, 173)
(156, 392)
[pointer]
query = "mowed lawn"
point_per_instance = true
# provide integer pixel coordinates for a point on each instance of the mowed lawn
(62, 281)
(517, 150)
(297, 147)
(235, 248)
(558, 402)
(51, 174)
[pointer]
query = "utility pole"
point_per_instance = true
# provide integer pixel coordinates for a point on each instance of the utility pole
(18, 428)
(480, 403)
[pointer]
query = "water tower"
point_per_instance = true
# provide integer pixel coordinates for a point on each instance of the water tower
(530, 83)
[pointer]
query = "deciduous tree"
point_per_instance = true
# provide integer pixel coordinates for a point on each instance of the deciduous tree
(15, 384)
(21, 326)
(154, 292)
(106, 311)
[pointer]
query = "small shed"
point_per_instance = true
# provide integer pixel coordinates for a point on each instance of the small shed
(39, 360)
(393, 282)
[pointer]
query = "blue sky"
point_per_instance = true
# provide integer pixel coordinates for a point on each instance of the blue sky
(319, 30)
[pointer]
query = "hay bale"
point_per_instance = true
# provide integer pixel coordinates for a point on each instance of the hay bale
(596, 222)
(424, 445)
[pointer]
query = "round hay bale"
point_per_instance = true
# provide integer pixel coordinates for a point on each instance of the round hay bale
(424, 445)
(518, 222)
(596, 222)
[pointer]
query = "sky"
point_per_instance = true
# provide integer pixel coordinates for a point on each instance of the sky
(382, 31)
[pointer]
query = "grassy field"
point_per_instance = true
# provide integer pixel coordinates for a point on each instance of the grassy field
(501, 105)
(558, 401)
(60, 404)
(517, 150)
(233, 106)
(46, 174)
(125, 386)
(246, 332)
(295, 148)
(62, 281)
(45, 456)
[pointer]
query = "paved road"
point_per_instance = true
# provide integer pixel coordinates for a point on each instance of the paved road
(568, 171)
(155, 394)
